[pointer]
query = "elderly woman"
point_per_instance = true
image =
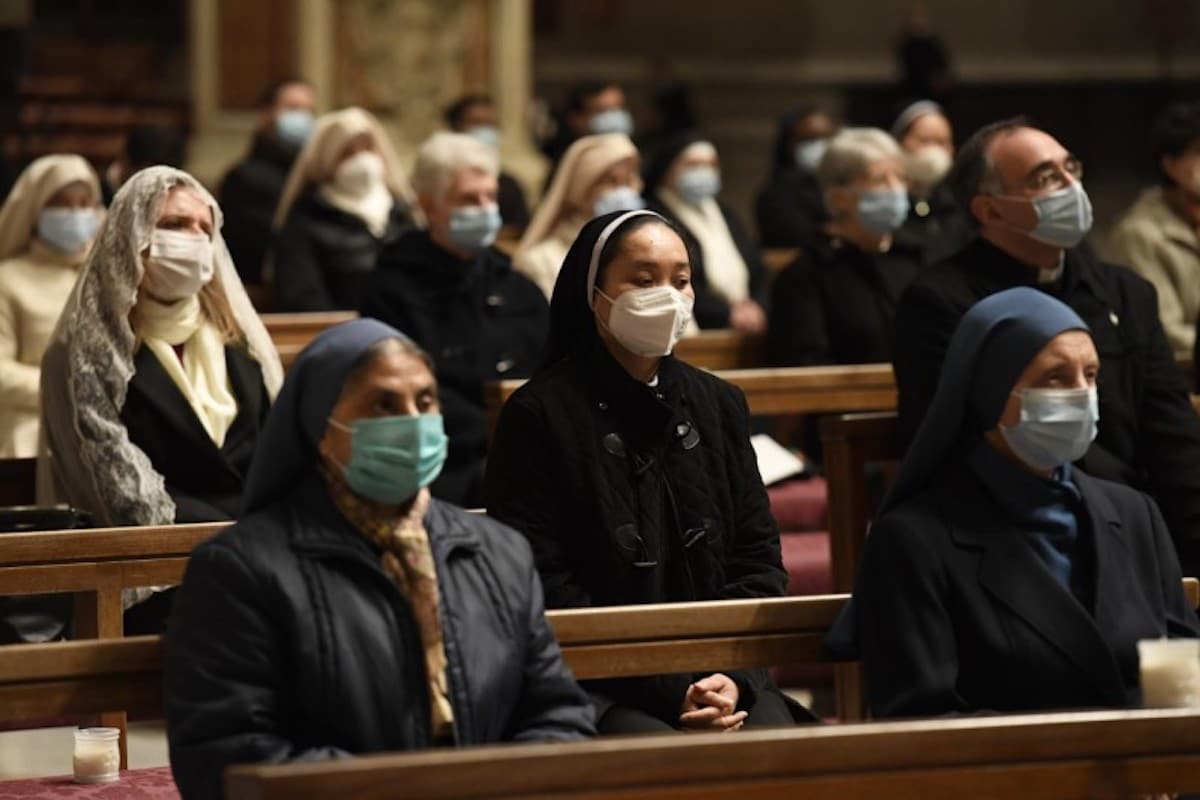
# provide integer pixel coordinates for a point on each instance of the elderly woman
(998, 577)
(836, 303)
(459, 299)
(345, 199)
(632, 474)
(46, 229)
(159, 375)
(347, 612)
(683, 180)
(789, 208)
(598, 175)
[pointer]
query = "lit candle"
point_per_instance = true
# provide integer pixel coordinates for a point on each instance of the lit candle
(97, 755)
(1170, 672)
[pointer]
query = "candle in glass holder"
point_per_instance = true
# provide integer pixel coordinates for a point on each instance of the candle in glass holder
(97, 755)
(1170, 672)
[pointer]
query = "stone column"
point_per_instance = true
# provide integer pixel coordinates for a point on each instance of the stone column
(511, 86)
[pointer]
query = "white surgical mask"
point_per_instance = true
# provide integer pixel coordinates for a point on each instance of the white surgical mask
(1057, 426)
(67, 230)
(697, 184)
(649, 322)
(808, 154)
(359, 174)
(615, 120)
(487, 135)
(179, 265)
(926, 166)
(622, 198)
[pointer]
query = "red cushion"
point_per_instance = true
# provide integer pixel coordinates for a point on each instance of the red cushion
(799, 505)
(135, 784)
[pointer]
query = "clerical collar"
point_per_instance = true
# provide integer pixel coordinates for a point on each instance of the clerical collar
(1054, 274)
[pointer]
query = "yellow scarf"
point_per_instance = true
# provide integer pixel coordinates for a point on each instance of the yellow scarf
(201, 374)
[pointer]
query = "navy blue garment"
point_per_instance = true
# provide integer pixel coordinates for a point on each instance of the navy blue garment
(289, 642)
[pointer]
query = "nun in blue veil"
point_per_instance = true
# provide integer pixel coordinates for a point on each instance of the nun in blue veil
(998, 577)
(347, 611)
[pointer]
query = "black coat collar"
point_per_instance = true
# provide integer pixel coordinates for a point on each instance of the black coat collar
(1013, 574)
(995, 269)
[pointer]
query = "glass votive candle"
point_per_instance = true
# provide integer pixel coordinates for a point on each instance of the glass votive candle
(1170, 672)
(97, 755)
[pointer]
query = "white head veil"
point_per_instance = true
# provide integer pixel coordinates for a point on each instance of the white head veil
(87, 458)
(40, 181)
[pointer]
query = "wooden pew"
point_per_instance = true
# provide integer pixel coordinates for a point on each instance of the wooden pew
(292, 332)
(720, 349)
(1069, 756)
(782, 391)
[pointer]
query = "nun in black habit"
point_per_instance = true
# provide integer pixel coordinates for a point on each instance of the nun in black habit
(631, 473)
(998, 577)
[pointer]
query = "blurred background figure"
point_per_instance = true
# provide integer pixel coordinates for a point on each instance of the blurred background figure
(345, 199)
(789, 208)
(249, 193)
(599, 174)
(47, 225)
(934, 224)
(475, 115)
(592, 107)
(1157, 237)
(683, 183)
(145, 146)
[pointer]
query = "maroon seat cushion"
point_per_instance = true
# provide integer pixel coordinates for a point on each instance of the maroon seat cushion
(799, 505)
(806, 559)
(135, 784)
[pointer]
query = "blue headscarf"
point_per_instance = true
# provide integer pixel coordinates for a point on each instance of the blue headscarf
(287, 447)
(993, 344)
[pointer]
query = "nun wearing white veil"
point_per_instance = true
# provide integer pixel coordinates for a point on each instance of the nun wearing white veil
(159, 374)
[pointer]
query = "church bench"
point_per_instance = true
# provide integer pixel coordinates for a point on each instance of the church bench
(291, 333)
(720, 349)
(1067, 756)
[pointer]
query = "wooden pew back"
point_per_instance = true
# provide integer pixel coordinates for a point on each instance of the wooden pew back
(1033, 757)
(292, 332)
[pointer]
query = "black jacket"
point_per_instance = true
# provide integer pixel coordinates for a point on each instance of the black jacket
(205, 482)
(1149, 436)
(710, 310)
(836, 304)
(935, 226)
(323, 255)
(480, 322)
(514, 211)
(790, 209)
(636, 495)
(248, 195)
(288, 642)
(956, 612)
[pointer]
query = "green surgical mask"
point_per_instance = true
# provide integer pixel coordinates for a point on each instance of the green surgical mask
(393, 458)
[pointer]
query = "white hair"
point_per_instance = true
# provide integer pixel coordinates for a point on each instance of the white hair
(443, 155)
(851, 153)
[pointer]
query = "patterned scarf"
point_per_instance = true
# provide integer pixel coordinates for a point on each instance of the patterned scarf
(408, 560)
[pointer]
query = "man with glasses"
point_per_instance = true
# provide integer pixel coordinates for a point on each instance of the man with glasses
(1023, 192)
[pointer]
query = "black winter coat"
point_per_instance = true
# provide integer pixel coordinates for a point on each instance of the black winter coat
(636, 495)
(956, 612)
(204, 481)
(1149, 436)
(288, 642)
(249, 195)
(480, 322)
(836, 305)
(710, 310)
(323, 255)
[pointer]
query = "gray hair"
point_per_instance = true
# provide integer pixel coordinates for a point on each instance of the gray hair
(444, 154)
(851, 153)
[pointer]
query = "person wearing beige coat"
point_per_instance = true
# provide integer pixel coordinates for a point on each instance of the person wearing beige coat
(1158, 236)
(46, 229)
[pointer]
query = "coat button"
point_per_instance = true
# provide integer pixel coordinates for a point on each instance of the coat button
(603, 405)
(494, 301)
(1113, 318)
(504, 365)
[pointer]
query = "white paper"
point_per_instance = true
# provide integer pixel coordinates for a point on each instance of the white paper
(775, 462)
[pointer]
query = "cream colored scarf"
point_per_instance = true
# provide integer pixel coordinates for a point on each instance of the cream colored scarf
(374, 208)
(724, 268)
(201, 374)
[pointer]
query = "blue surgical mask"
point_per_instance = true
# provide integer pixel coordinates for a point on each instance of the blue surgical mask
(1064, 217)
(393, 458)
(622, 198)
(883, 211)
(474, 228)
(294, 126)
(615, 120)
(808, 154)
(67, 230)
(488, 135)
(697, 184)
(1057, 426)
